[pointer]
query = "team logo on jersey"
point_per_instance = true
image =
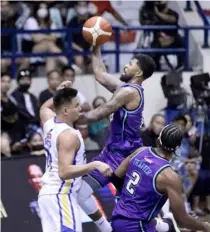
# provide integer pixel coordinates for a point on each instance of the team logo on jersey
(148, 160)
(49, 135)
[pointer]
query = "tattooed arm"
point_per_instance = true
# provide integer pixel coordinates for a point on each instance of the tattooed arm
(122, 97)
(101, 75)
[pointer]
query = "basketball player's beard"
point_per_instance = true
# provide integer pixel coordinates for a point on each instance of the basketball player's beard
(125, 78)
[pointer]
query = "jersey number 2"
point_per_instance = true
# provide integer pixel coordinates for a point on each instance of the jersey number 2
(135, 179)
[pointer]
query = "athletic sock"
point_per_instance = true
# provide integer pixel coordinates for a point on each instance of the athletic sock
(161, 226)
(103, 225)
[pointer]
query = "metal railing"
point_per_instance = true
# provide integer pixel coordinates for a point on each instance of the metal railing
(70, 53)
(203, 17)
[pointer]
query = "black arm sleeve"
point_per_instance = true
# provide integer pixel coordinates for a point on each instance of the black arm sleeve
(117, 182)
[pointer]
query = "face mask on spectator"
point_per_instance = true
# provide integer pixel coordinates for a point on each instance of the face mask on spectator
(82, 10)
(42, 13)
(24, 87)
(37, 147)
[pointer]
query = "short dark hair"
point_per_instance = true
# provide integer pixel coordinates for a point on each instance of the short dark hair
(147, 64)
(68, 68)
(170, 138)
(63, 96)
(157, 115)
(3, 74)
(52, 71)
(180, 118)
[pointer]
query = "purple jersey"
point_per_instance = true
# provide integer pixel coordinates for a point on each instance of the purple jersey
(125, 127)
(140, 198)
(124, 137)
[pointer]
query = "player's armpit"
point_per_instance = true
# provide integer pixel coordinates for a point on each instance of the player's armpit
(101, 75)
(170, 183)
(120, 99)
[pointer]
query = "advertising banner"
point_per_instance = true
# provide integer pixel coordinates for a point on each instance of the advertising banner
(20, 184)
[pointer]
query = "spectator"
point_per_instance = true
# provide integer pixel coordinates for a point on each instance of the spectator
(13, 15)
(150, 135)
(79, 44)
(181, 122)
(27, 102)
(54, 79)
(183, 162)
(100, 7)
(98, 131)
(38, 42)
(202, 188)
(32, 144)
(11, 128)
(35, 144)
(167, 38)
(68, 74)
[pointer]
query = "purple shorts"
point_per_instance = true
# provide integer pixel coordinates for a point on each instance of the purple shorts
(120, 224)
(110, 158)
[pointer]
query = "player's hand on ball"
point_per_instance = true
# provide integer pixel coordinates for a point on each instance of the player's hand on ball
(97, 30)
(65, 84)
(103, 168)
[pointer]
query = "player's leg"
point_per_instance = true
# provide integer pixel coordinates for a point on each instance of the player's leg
(89, 204)
(46, 213)
(59, 213)
(69, 213)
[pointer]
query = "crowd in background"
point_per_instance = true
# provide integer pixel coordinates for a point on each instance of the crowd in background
(21, 132)
(38, 15)
(18, 138)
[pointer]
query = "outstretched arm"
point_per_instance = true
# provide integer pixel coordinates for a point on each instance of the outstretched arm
(170, 183)
(46, 111)
(120, 99)
(101, 75)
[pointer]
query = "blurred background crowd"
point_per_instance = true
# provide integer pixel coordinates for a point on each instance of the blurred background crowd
(21, 133)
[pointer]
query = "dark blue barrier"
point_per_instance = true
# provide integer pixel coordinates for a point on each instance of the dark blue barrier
(117, 51)
(203, 17)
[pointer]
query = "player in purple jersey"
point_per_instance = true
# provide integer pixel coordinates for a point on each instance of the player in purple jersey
(126, 106)
(149, 181)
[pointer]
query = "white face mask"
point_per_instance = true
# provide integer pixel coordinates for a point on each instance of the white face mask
(42, 13)
(82, 10)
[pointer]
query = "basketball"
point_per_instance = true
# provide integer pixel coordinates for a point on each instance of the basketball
(97, 30)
